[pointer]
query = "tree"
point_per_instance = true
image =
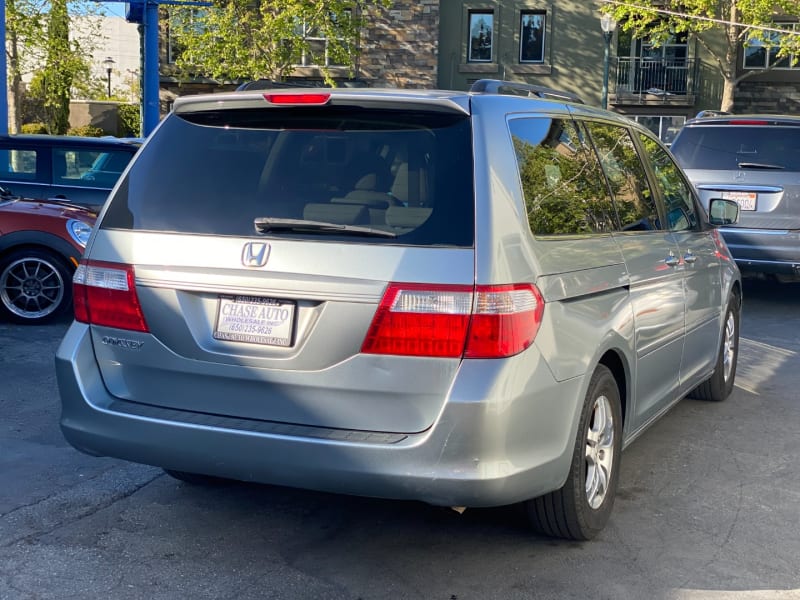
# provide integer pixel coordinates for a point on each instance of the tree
(246, 39)
(40, 42)
(736, 22)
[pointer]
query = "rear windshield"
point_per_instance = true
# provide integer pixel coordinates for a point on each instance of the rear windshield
(404, 176)
(731, 147)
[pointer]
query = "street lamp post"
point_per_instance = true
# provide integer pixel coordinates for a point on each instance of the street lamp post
(109, 63)
(608, 25)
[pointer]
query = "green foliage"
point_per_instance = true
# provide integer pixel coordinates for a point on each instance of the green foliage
(732, 22)
(243, 39)
(86, 131)
(40, 33)
(129, 120)
(34, 128)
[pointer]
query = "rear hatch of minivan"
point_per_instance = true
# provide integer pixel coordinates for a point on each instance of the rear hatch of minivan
(755, 162)
(267, 255)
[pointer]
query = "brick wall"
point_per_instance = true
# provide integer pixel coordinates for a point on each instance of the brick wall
(767, 98)
(399, 44)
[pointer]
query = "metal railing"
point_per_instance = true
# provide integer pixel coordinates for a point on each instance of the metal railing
(655, 78)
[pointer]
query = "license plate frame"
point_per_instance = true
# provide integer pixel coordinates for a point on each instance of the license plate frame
(255, 320)
(745, 200)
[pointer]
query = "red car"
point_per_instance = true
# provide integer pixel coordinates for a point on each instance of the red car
(40, 244)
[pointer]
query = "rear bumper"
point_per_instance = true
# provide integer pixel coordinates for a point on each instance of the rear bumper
(765, 250)
(497, 440)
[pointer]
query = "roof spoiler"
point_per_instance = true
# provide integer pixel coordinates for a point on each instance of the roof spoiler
(515, 88)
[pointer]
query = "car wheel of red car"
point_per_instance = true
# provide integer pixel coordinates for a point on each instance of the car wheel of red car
(35, 286)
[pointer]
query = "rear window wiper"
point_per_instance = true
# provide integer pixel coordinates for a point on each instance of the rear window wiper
(268, 224)
(755, 165)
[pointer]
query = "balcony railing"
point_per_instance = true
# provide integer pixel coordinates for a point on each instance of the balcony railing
(653, 81)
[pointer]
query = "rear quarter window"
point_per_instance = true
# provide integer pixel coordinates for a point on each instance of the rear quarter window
(563, 184)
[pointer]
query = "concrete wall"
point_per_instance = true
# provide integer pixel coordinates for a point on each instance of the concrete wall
(98, 114)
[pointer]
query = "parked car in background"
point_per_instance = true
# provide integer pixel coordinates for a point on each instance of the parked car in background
(81, 170)
(755, 161)
(464, 298)
(40, 244)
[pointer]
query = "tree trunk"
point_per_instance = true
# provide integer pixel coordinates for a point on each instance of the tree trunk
(728, 94)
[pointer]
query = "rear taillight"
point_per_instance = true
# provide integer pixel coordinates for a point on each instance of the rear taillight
(105, 294)
(304, 98)
(455, 321)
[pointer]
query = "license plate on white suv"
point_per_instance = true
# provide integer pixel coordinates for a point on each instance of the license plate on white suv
(255, 320)
(745, 200)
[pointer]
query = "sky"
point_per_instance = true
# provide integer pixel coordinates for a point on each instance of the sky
(116, 9)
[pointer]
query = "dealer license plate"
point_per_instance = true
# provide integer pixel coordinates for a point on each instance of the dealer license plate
(745, 200)
(255, 320)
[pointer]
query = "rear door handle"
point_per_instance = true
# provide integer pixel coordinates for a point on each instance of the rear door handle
(672, 260)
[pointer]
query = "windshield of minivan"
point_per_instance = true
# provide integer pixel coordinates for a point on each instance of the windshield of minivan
(731, 147)
(407, 173)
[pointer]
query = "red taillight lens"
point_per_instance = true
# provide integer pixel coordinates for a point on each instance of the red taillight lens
(455, 321)
(420, 320)
(297, 98)
(505, 320)
(105, 294)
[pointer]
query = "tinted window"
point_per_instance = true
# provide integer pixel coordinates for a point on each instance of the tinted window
(88, 168)
(633, 199)
(679, 203)
(562, 183)
(18, 165)
(404, 172)
(727, 147)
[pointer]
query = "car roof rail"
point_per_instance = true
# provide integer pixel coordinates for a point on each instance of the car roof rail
(711, 113)
(516, 88)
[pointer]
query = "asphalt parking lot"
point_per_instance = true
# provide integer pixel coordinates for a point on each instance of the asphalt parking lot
(707, 508)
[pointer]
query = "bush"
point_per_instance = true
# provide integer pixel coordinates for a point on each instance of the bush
(34, 128)
(86, 131)
(129, 120)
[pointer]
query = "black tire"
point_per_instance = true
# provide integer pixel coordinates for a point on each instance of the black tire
(35, 286)
(575, 512)
(720, 385)
(196, 478)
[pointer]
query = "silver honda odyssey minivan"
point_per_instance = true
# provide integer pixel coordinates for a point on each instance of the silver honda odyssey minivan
(466, 298)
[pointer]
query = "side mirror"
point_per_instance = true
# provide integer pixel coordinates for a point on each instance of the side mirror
(723, 212)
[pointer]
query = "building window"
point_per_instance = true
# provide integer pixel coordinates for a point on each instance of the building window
(760, 54)
(531, 37)
(481, 32)
(190, 20)
(666, 127)
(315, 51)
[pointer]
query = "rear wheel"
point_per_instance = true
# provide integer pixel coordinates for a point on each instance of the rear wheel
(35, 285)
(581, 508)
(720, 385)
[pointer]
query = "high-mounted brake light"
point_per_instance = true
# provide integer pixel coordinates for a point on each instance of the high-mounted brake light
(747, 122)
(105, 294)
(455, 321)
(318, 99)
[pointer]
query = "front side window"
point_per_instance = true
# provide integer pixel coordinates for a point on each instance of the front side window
(623, 167)
(531, 36)
(681, 212)
(563, 185)
(89, 168)
(481, 36)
